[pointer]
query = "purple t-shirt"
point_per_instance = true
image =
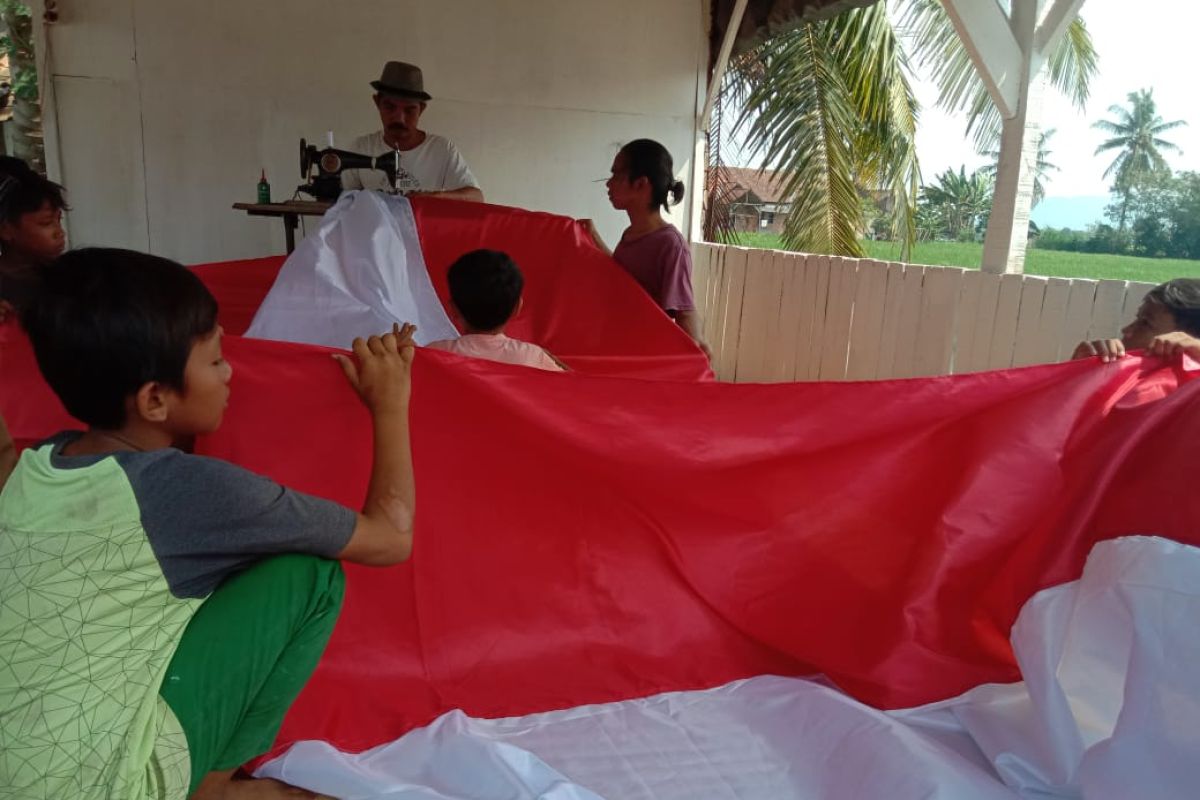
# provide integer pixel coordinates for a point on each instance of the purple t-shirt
(662, 263)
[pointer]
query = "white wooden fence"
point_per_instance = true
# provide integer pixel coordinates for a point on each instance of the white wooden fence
(776, 316)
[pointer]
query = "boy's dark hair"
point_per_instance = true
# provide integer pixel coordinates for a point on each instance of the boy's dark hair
(23, 191)
(485, 286)
(646, 158)
(104, 322)
(1182, 298)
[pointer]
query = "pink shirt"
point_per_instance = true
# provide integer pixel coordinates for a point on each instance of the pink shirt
(498, 347)
(662, 263)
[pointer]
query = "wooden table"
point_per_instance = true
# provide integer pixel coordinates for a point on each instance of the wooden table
(291, 211)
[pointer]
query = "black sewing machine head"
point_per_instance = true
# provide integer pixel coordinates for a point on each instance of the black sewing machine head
(329, 163)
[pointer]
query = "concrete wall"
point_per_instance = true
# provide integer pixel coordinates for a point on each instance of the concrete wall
(160, 113)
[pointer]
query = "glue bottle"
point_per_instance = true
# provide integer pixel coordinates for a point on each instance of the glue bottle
(264, 188)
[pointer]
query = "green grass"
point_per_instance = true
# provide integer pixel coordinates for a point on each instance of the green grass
(1055, 263)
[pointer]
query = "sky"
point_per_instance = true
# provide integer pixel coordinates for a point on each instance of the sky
(1148, 44)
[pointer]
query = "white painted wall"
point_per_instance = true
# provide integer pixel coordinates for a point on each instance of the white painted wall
(160, 113)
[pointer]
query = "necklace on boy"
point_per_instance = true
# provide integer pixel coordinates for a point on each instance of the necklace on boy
(122, 440)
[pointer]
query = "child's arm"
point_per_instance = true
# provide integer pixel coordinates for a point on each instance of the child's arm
(690, 322)
(383, 380)
(8, 453)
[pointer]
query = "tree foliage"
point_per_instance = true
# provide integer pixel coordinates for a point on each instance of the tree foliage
(1042, 166)
(830, 107)
(17, 42)
(1163, 216)
(1136, 136)
(959, 203)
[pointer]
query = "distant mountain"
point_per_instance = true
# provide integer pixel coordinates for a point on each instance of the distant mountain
(1076, 212)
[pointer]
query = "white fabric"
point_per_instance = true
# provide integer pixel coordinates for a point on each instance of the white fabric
(1110, 706)
(432, 166)
(1110, 709)
(768, 737)
(357, 274)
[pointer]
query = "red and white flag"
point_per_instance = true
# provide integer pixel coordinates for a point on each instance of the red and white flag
(621, 573)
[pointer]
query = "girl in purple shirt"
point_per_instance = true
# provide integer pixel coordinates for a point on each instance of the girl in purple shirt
(652, 250)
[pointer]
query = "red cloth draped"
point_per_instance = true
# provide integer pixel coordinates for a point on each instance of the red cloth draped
(585, 538)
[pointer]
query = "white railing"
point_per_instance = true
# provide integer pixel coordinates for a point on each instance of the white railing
(776, 316)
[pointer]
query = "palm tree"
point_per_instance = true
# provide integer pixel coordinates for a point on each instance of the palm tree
(829, 106)
(961, 199)
(1136, 136)
(1042, 168)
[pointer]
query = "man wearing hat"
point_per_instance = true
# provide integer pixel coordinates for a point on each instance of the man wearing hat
(429, 164)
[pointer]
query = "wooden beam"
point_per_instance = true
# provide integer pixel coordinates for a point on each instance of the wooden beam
(1054, 25)
(986, 33)
(722, 64)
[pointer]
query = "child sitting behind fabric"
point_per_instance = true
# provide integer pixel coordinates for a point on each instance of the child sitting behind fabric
(159, 611)
(485, 289)
(1167, 324)
(31, 232)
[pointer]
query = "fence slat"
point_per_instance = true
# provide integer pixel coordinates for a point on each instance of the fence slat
(769, 369)
(820, 302)
(910, 321)
(783, 366)
(890, 328)
(1004, 332)
(759, 306)
(1029, 320)
(1047, 347)
(980, 355)
(711, 302)
(964, 324)
(1078, 317)
(806, 312)
(867, 326)
(701, 273)
(733, 285)
(1108, 312)
(935, 333)
(839, 311)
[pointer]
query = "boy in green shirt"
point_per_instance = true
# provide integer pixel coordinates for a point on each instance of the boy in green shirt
(159, 611)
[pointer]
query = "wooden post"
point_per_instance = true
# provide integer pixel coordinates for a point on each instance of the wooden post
(722, 62)
(1009, 51)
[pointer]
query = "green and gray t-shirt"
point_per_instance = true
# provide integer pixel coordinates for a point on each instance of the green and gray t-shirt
(103, 561)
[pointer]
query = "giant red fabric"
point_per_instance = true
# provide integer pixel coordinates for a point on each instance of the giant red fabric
(590, 537)
(582, 539)
(578, 303)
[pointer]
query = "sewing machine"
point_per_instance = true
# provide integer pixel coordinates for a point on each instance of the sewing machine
(327, 183)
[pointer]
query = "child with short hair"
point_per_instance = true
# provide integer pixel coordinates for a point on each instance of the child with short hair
(485, 291)
(31, 232)
(1167, 323)
(159, 611)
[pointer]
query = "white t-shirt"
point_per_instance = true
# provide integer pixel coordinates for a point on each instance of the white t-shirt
(435, 165)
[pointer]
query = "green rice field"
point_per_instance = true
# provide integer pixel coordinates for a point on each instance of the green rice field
(1054, 263)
